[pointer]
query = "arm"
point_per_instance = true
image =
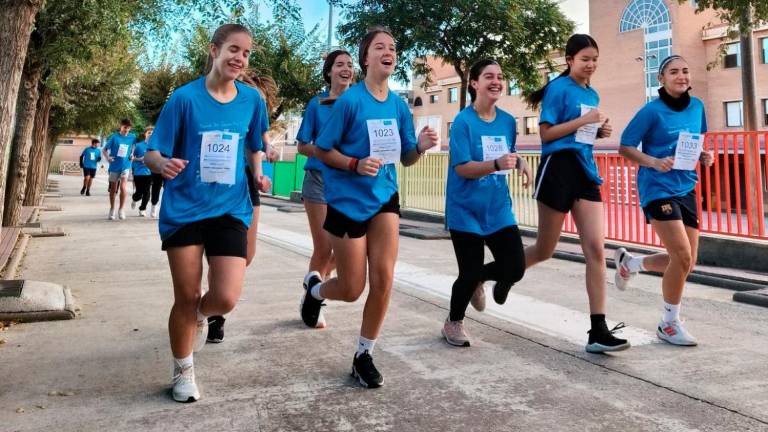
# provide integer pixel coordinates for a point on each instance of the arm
(635, 155)
(427, 139)
(474, 169)
(307, 149)
(333, 158)
(550, 132)
(168, 168)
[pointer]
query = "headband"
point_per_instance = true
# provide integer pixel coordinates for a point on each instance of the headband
(667, 61)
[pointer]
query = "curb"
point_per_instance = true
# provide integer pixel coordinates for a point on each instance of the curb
(12, 268)
(756, 298)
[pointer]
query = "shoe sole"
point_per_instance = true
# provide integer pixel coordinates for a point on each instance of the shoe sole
(453, 343)
(363, 383)
(216, 341)
(689, 344)
(597, 348)
(189, 399)
(618, 281)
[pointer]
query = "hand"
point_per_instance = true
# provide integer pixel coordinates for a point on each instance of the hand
(525, 170)
(369, 166)
(111, 159)
(172, 167)
(263, 183)
(605, 130)
(706, 158)
(506, 162)
(272, 154)
(594, 116)
(428, 138)
(664, 164)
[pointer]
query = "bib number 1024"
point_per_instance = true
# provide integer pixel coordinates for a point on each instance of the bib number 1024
(218, 148)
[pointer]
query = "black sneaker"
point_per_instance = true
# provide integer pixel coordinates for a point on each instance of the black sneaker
(602, 340)
(82, 191)
(311, 312)
(87, 192)
(215, 329)
(365, 372)
(500, 292)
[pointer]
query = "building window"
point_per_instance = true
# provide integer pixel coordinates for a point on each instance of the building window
(733, 114)
(653, 17)
(531, 125)
(764, 49)
(453, 95)
(433, 98)
(732, 55)
(765, 112)
(417, 101)
(512, 88)
(65, 142)
(552, 75)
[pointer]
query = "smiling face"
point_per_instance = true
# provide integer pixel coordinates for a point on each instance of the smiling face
(490, 84)
(583, 64)
(147, 134)
(124, 129)
(381, 56)
(231, 58)
(342, 71)
(675, 77)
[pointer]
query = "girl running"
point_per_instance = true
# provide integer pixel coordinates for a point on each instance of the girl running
(199, 146)
(671, 131)
(142, 176)
(337, 72)
(369, 130)
(568, 180)
(478, 205)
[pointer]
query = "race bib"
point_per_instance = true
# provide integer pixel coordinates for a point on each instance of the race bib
(688, 151)
(92, 156)
(587, 133)
(122, 150)
(384, 138)
(218, 157)
(494, 147)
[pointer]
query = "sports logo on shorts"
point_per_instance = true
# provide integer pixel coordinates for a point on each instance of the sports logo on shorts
(666, 209)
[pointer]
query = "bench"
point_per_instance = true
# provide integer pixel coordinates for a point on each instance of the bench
(8, 238)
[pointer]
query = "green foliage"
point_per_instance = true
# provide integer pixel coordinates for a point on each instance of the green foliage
(734, 11)
(464, 31)
(156, 86)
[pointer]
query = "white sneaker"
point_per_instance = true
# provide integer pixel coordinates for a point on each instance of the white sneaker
(184, 386)
(112, 214)
(622, 277)
(143, 213)
(201, 335)
(674, 333)
(133, 204)
(122, 214)
(153, 213)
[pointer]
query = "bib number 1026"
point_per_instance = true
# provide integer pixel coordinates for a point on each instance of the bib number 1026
(218, 148)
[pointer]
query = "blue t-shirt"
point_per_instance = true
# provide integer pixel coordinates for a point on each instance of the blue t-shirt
(315, 116)
(356, 196)
(91, 157)
(190, 113)
(562, 103)
(138, 167)
(113, 145)
(657, 127)
(483, 205)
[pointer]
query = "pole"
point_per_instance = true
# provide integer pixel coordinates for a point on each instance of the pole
(330, 26)
(751, 150)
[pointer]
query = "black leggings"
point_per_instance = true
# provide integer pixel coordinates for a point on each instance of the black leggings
(508, 267)
(157, 184)
(142, 190)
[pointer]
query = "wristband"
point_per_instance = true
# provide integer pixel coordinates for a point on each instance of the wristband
(352, 165)
(496, 165)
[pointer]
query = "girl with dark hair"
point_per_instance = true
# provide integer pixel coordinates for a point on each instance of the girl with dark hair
(568, 180)
(369, 130)
(142, 176)
(670, 130)
(338, 73)
(199, 146)
(478, 205)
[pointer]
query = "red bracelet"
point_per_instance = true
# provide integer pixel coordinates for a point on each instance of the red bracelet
(352, 165)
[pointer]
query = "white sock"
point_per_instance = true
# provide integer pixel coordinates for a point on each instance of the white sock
(183, 362)
(200, 316)
(635, 264)
(671, 312)
(364, 345)
(315, 291)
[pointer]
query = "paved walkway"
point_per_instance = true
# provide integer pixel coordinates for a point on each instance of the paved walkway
(526, 370)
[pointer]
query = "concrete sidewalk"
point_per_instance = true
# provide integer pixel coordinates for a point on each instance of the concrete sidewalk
(109, 369)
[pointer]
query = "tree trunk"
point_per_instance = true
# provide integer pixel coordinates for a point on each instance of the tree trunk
(22, 144)
(751, 149)
(40, 155)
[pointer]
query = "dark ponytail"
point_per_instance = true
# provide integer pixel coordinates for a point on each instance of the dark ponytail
(575, 44)
(474, 75)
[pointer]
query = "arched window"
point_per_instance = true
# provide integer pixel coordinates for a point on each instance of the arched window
(653, 17)
(417, 101)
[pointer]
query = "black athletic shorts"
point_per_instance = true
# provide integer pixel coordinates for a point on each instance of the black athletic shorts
(338, 224)
(89, 172)
(676, 208)
(220, 236)
(561, 181)
(252, 191)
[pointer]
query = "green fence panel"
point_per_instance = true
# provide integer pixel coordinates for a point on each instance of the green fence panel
(284, 178)
(300, 161)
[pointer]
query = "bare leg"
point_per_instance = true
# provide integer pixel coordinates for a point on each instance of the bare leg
(383, 239)
(675, 238)
(322, 260)
(351, 262)
(186, 271)
(548, 234)
(588, 216)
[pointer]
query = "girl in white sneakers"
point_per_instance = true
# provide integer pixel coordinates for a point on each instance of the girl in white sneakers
(671, 130)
